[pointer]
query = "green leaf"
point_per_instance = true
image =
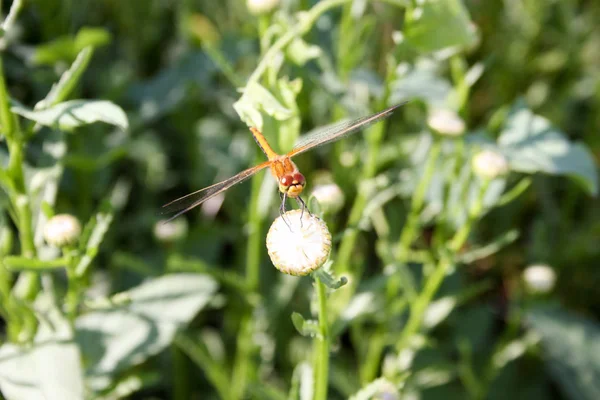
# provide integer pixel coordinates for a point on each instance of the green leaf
(18, 263)
(532, 144)
(75, 113)
(438, 311)
(92, 237)
(423, 82)
(432, 25)
(68, 80)
(66, 48)
(300, 52)
(257, 98)
(308, 327)
(32, 373)
(329, 280)
(571, 346)
(116, 339)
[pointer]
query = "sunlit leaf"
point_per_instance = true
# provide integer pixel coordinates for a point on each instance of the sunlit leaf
(113, 340)
(75, 113)
(257, 98)
(532, 144)
(32, 373)
(301, 52)
(423, 81)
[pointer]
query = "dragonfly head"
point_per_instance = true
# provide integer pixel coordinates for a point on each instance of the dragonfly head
(292, 184)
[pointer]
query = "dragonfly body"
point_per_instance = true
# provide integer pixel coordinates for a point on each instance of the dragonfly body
(291, 182)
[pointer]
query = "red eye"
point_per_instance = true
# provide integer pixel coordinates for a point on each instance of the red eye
(286, 180)
(299, 178)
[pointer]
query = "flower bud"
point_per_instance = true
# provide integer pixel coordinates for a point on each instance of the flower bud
(329, 196)
(298, 243)
(170, 231)
(539, 278)
(489, 164)
(446, 122)
(62, 230)
(257, 7)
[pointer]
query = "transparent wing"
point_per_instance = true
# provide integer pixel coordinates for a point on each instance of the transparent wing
(334, 132)
(187, 202)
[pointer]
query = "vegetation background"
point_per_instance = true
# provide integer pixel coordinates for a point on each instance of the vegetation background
(109, 109)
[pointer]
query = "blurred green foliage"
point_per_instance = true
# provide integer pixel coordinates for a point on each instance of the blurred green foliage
(109, 109)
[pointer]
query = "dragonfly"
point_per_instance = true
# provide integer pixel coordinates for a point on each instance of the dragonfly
(290, 180)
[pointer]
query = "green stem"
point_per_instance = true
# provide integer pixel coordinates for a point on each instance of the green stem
(304, 25)
(214, 371)
(411, 228)
(181, 374)
(421, 303)
(243, 359)
(6, 117)
(321, 368)
(73, 297)
(254, 247)
(463, 233)
(435, 279)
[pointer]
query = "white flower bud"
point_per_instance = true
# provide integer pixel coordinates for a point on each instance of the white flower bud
(489, 164)
(539, 278)
(446, 122)
(257, 7)
(329, 196)
(300, 247)
(170, 231)
(62, 230)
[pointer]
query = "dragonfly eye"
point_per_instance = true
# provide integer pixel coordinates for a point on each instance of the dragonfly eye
(286, 180)
(298, 177)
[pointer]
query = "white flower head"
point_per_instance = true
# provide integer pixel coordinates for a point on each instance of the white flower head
(446, 122)
(489, 164)
(62, 230)
(300, 244)
(329, 196)
(170, 231)
(257, 7)
(539, 278)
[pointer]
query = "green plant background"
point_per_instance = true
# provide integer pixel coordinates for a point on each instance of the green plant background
(109, 109)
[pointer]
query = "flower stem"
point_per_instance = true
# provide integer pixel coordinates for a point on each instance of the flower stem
(27, 284)
(410, 230)
(321, 368)
(435, 279)
(463, 233)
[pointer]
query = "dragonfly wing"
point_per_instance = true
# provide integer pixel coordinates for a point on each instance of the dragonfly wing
(338, 131)
(187, 202)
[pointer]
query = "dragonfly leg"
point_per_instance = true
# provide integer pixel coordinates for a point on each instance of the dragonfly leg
(282, 208)
(302, 204)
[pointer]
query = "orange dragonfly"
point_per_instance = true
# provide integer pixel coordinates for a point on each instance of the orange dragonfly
(291, 181)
